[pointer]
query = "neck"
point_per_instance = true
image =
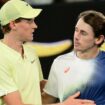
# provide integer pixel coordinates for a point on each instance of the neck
(88, 54)
(13, 43)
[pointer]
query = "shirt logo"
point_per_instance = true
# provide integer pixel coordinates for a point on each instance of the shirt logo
(27, 4)
(33, 61)
(66, 70)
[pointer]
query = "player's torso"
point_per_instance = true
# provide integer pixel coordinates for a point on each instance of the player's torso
(86, 76)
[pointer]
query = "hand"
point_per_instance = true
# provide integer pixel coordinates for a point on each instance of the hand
(73, 101)
(42, 84)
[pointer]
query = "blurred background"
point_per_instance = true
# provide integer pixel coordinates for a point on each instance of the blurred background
(56, 23)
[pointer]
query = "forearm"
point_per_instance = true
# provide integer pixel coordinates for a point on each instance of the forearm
(73, 101)
(13, 98)
(18, 104)
(48, 99)
(55, 104)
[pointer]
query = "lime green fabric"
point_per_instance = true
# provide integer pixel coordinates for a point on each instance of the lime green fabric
(20, 74)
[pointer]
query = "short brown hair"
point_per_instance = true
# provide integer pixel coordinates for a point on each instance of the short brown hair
(96, 20)
(7, 28)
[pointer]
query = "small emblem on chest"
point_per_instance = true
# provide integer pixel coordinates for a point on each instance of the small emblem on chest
(66, 70)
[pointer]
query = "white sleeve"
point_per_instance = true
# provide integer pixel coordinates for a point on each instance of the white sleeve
(51, 86)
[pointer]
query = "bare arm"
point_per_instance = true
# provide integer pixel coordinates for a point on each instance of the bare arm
(48, 99)
(70, 101)
(13, 98)
(42, 84)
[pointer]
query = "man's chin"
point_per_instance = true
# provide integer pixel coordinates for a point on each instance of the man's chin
(76, 49)
(29, 40)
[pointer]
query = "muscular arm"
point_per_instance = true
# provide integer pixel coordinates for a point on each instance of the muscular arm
(48, 99)
(13, 98)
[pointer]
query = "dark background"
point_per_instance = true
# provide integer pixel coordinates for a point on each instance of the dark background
(57, 21)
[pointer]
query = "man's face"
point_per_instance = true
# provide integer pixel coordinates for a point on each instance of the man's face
(25, 29)
(83, 36)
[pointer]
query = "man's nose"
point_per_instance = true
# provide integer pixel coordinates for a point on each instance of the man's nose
(35, 25)
(77, 35)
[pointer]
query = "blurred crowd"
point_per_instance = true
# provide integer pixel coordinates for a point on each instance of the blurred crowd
(44, 2)
(41, 2)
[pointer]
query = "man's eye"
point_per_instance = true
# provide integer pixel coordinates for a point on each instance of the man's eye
(83, 33)
(29, 20)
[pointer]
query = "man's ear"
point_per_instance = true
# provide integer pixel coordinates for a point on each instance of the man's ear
(100, 39)
(12, 25)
